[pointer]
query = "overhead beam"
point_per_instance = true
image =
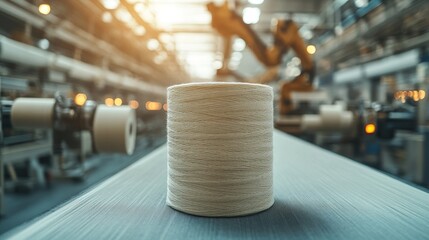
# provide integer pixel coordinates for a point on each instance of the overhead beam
(308, 6)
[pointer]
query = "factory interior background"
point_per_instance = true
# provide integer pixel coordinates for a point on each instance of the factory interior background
(365, 59)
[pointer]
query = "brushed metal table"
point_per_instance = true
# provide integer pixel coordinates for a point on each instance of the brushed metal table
(318, 195)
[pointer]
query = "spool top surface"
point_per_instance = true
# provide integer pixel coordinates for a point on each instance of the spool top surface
(219, 85)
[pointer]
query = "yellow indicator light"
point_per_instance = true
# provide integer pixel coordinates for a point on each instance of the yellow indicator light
(311, 49)
(165, 107)
(80, 99)
(416, 96)
(153, 106)
(422, 94)
(134, 104)
(118, 102)
(44, 8)
(109, 102)
(370, 128)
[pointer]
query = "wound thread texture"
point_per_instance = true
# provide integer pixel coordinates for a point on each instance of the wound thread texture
(220, 148)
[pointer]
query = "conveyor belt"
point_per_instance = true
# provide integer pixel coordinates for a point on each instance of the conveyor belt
(319, 195)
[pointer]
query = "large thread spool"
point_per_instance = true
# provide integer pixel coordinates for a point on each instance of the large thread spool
(220, 148)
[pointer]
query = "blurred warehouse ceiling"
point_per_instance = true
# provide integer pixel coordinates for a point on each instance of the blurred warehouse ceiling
(162, 36)
(199, 47)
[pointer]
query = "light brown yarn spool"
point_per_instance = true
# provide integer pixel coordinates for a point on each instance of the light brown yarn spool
(220, 148)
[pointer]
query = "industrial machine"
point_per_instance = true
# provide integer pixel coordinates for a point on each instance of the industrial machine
(70, 118)
(286, 36)
(390, 120)
(63, 145)
(112, 129)
(394, 134)
(71, 121)
(387, 136)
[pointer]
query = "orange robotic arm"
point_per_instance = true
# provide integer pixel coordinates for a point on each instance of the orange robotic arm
(228, 23)
(286, 35)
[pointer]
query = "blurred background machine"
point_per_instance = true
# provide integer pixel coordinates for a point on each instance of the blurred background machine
(349, 75)
(78, 128)
(46, 51)
(285, 36)
(360, 125)
(367, 122)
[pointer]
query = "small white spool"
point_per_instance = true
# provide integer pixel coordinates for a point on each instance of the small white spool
(114, 129)
(331, 119)
(346, 120)
(331, 116)
(220, 148)
(311, 122)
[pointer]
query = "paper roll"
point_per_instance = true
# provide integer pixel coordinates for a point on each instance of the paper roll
(33, 112)
(331, 116)
(331, 119)
(346, 120)
(311, 122)
(114, 129)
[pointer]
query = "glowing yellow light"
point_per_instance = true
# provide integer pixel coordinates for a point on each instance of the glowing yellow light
(166, 15)
(139, 30)
(110, 4)
(152, 44)
(109, 102)
(251, 15)
(311, 49)
(370, 128)
(396, 95)
(44, 8)
(165, 107)
(256, 2)
(153, 106)
(416, 96)
(401, 95)
(422, 94)
(80, 99)
(107, 17)
(139, 7)
(118, 102)
(134, 104)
